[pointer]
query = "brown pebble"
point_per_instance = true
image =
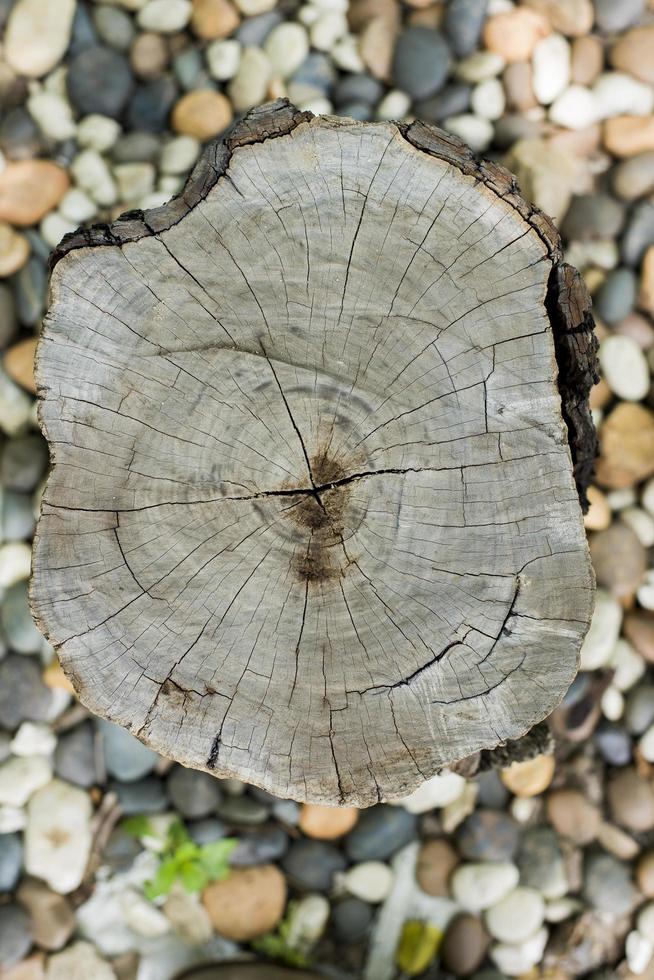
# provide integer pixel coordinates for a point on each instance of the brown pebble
(634, 53)
(599, 513)
(377, 45)
(248, 903)
(33, 968)
(587, 60)
(19, 363)
(14, 250)
(202, 113)
(645, 874)
(600, 395)
(638, 328)
(529, 778)
(514, 34)
(646, 297)
(572, 17)
(213, 19)
(625, 136)
(437, 859)
(617, 842)
(53, 919)
(638, 628)
(619, 560)
(465, 945)
(631, 801)
(573, 816)
(149, 55)
(626, 446)
(327, 822)
(29, 189)
(518, 87)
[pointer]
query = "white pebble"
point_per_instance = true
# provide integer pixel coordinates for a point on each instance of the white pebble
(329, 28)
(647, 498)
(15, 406)
(371, 881)
(12, 818)
(179, 155)
(456, 812)
(550, 68)
(524, 808)
(604, 630)
(143, 917)
(499, 7)
(134, 181)
(641, 523)
(517, 916)
(628, 665)
(645, 591)
(223, 58)
(619, 499)
(96, 132)
(624, 367)
(54, 226)
(287, 46)
(170, 184)
(156, 199)
(477, 886)
(638, 951)
(441, 789)
(477, 132)
(319, 106)
(15, 563)
(341, 5)
(645, 921)
(308, 14)
(249, 85)
(576, 108)
(345, 54)
(480, 65)
(306, 922)
(33, 739)
(646, 744)
(253, 7)
(619, 94)
(394, 105)
(602, 253)
(612, 703)
(165, 16)
(560, 909)
(58, 835)
(52, 114)
(488, 100)
(515, 960)
(76, 206)
(20, 776)
(91, 172)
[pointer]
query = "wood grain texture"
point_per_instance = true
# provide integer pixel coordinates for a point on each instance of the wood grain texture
(313, 519)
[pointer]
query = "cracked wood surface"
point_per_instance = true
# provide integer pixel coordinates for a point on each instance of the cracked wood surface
(313, 519)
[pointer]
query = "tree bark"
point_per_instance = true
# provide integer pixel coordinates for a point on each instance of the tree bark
(314, 517)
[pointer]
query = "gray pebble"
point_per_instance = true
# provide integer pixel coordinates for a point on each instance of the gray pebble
(639, 233)
(450, 101)
(39, 246)
(83, 34)
(23, 463)
(120, 850)
(311, 864)
(351, 919)
(607, 885)
(150, 104)
(492, 791)
(23, 695)
(286, 811)
(513, 127)
(143, 796)
(591, 217)
(356, 110)
(612, 16)
(125, 757)
(254, 30)
(616, 297)
(194, 794)
(20, 137)
(243, 810)
(15, 934)
(464, 20)
(18, 520)
(99, 80)
(357, 88)
(614, 743)
(634, 178)
(18, 626)
(5, 746)
(5, 9)
(316, 70)
(189, 69)
(136, 148)
(541, 862)
(8, 320)
(639, 709)
(207, 830)
(11, 860)
(421, 62)
(74, 757)
(380, 832)
(114, 26)
(30, 285)
(488, 835)
(269, 843)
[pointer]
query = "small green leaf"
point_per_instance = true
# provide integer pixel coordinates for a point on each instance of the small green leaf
(137, 826)
(418, 946)
(194, 877)
(163, 880)
(215, 857)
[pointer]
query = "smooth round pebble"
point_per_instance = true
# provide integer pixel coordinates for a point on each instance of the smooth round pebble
(421, 61)
(371, 881)
(201, 114)
(517, 916)
(165, 16)
(478, 886)
(624, 367)
(327, 822)
(529, 778)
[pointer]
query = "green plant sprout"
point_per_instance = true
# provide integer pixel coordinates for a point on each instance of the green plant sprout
(275, 945)
(181, 859)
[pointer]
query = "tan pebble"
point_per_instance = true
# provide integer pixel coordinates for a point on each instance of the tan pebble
(634, 53)
(248, 903)
(327, 822)
(29, 189)
(202, 114)
(599, 513)
(645, 874)
(573, 816)
(437, 859)
(600, 395)
(617, 841)
(626, 439)
(638, 628)
(518, 87)
(214, 19)
(377, 45)
(149, 55)
(587, 60)
(14, 250)
(54, 677)
(422, 4)
(626, 136)
(631, 800)
(529, 778)
(572, 17)
(37, 34)
(619, 560)
(514, 34)
(33, 968)
(646, 296)
(431, 17)
(19, 363)
(578, 142)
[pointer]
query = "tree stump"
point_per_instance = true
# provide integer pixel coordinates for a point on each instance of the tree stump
(314, 518)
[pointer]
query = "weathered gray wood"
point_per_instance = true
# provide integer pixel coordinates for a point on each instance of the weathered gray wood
(313, 518)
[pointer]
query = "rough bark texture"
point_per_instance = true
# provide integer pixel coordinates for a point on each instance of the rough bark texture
(313, 518)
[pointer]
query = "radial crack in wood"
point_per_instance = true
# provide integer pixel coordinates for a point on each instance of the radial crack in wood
(313, 519)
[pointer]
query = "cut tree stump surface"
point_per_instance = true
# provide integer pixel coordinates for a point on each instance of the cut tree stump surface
(313, 519)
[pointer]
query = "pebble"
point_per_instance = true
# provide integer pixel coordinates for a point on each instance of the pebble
(23, 695)
(247, 904)
(550, 68)
(421, 62)
(517, 959)
(634, 53)
(436, 861)
(380, 832)
(188, 917)
(243, 811)
(645, 874)
(351, 919)
(144, 796)
(194, 794)
(202, 114)
(15, 407)
(165, 16)
(626, 446)
(30, 289)
(488, 100)
(58, 835)
(639, 710)
(619, 94)
(517, 916)
(639, 233)
(542, 864)
(99, 81)
(14, 250)
(645, 921)
(15, 934)
(575, 108)
(125, 757)
(29, 189)
(75, 755)
(311, 865)
(98, 132)
(488, 835)
(479, 66)
(251, 8)
(223, 59)
(249, 85)
(587, 60)
(326, 822)
(627, 136)
(513, 35)
(619, 559)
(613, 18)
(439, 791)
(478, 886)
(11, 860)
(21, 777)
(33, 739)
(463, 23)
(529, 778)
(77, 207)
(475, 131)
(547, 175)
(593, 216)
(213, 19)
(79, 962)
(287, 46)
(37, 35)
(134, 181)
(571, 17)
(646, 296)
(631, 800)
(267, 843)
(607, 884)
(370, 881)
(149, 55)
(53, 920)
(465, 945)
(573, 816)
(615, 300)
